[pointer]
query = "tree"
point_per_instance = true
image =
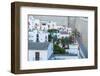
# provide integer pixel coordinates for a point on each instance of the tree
(62, 40)
(51, 35)
(71, 39)
(65, 41)
(52, 31)
(58, 49)
(50, 38)
(74, 33)
(58, 41)
(54, 38)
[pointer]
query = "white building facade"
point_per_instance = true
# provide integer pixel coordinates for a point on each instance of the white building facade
(40, 51)
(38, 45)
(38, 36)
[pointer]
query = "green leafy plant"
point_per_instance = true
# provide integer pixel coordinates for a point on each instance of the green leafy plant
(52, 31)
(58, 49)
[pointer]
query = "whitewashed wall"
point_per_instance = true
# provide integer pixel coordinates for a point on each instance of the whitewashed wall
(82, 27)
(50, 50)
(43, 54)
(32, 36)
(42, 36)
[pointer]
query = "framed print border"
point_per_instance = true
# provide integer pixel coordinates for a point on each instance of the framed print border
(15, 36)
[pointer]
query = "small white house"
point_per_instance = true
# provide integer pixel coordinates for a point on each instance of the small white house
(38, 36)
(44, 25)
(33, 23)
(63, 34)
(40, 25)
(43, 36)
(37, 24)
(40, 51)
(69, 30)
(59, 27)
(32, 35)
(52, 25)
(73, 49)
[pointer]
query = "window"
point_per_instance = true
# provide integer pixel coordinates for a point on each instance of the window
(36, 24)
(37, 56)
(37, 38)
(48, 26)
(44, 24)
(46, 38)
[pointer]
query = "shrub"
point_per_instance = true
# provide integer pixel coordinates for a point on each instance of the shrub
(52, 30)
(50, 38)
(58, 49)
